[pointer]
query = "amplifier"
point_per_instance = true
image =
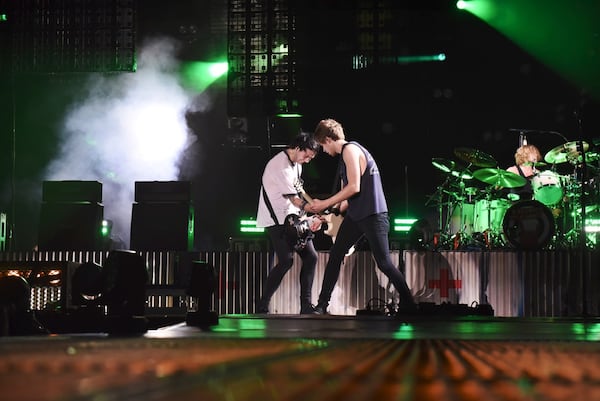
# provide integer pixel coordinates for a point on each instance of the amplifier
(163, 191)
(72, 191)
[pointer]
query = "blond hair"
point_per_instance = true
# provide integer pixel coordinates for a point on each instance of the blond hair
(329, 128)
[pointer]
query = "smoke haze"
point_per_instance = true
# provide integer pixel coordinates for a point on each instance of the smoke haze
(128, 127)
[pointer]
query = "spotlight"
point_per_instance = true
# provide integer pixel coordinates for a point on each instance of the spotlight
(86, 284)
(420, 235)
(124, 292)
(203, 281)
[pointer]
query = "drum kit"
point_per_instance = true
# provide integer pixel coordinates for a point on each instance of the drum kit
(479, 205)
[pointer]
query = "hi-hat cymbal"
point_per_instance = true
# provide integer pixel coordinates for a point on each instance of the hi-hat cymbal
(475, 157)
(443, 164)
(499, 177)
(567, 151)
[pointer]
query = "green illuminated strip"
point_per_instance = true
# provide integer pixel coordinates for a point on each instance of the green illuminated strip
(403, 225)
(252, 229)
(289, 115)
(248, 223)
(404, 221)
(416, 59)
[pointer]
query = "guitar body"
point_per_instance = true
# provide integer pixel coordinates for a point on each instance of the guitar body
(333, 224)
(333, 219)
(297, 231)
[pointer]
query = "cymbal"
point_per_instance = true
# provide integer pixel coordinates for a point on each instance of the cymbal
(443, 164)
(589, 157)
(475, 157)
(564, 152)
(464, 174)
(502, 178)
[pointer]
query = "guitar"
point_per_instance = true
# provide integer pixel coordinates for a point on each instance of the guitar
(332, 218)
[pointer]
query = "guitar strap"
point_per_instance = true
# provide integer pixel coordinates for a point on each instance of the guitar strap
(269, 206)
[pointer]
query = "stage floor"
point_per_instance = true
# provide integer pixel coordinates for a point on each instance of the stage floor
(292, 357)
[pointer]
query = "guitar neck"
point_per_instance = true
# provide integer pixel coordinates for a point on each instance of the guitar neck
(306, 196)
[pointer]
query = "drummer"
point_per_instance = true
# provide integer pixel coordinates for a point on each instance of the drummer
(527, 157)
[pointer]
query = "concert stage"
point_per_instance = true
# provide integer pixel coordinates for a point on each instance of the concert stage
(292, 357)
(543, 341)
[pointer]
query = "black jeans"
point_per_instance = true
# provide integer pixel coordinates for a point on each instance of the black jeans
(285, 259)
(375, 228)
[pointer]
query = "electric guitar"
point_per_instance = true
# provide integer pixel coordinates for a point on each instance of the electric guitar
(332, 218)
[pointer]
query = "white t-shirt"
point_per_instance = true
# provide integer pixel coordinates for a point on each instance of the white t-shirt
(279, 177)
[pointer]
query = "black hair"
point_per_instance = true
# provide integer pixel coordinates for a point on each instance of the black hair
(304, 141)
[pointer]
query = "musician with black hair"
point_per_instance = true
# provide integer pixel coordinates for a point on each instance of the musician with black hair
(280, 202)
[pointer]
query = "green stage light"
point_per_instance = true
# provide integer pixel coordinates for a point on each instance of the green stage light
(199, 75)
(559, 34)
(421, 58)
(403, 224)
(106, 228)
(3, 17)
(461, 5)
(249, 226)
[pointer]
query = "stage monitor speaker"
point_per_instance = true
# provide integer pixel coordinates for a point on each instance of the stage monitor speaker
(72, 191)
(162, 226)
(67, 226)
(163, 191)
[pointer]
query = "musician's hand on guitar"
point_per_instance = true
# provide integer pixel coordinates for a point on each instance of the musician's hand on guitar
(315, 223)
(316, 206)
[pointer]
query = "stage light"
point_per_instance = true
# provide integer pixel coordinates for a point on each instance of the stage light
(421, 58)
(125, 277)
(106, 228)
(202, 285)
(3, 17)
(420, 235)
(199, 75)
(461, 5)
(248, 226)
(86, 284)
(403, 225)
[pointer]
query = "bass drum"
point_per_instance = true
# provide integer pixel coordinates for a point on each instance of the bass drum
(528, 225)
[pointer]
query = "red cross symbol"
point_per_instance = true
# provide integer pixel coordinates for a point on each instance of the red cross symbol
(444, 283)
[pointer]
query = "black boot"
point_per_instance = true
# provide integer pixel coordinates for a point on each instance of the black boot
(321, 309)
(307, 309)
(261, 307)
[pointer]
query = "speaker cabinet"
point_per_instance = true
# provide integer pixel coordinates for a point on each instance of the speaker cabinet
(162, 226)
(72, 191)
(70, 226)
(163, 191)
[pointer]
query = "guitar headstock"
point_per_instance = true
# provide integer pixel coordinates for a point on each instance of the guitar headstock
(299, 185)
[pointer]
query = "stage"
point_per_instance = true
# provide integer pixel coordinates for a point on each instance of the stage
(362, 351)
(292, 357)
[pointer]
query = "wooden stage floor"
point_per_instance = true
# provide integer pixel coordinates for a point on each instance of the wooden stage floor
(293, 357)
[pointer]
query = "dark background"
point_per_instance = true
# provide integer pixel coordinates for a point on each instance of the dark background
(405, 114)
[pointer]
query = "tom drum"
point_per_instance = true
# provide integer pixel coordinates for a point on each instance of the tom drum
(547, 187)
(489, 214)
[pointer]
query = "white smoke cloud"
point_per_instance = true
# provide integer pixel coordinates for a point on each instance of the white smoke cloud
(129, 127)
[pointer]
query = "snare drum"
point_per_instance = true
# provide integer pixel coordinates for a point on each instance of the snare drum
(528, 225)
(547, 187)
